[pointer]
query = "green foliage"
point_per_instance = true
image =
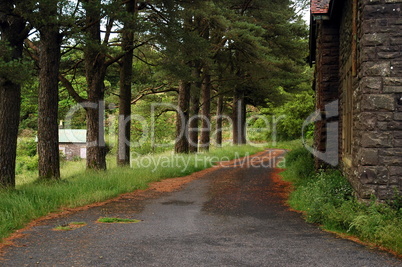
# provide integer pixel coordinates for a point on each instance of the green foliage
(29, 105)
(17, 71)
(327, 199)
(26, 147)
(329, 189)
(26, 164)
(289, 145)
(27, 160)
(299, 165)
(289, 117)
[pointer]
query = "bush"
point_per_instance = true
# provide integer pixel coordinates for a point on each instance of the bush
(329, 190)
(26, 147)
(300, 165)
(26, 163)
(327, 199)
(290, 117)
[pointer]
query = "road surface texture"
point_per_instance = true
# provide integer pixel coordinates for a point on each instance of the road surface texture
(227, 216)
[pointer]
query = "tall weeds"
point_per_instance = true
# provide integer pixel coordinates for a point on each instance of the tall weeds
(326, 198)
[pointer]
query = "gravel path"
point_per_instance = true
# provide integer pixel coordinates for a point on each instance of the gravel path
(231, 216)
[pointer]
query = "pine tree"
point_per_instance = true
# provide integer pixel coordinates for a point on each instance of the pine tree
(48, 98)
(96, 59)
(126, 78)
(13, 31)
(205, 111)
(261, 52)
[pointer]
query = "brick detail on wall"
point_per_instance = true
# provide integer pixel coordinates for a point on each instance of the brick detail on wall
(377, 150)
(327, 82)
(374, 166)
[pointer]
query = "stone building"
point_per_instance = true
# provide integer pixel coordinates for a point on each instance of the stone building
(72, 143)
(356, 48)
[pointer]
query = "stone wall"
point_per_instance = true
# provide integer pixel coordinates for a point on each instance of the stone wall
(377, 150)
(346, 35)
(326, 82)
(71, 151)
(375, 165)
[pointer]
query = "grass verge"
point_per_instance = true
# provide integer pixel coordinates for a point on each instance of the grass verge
(32, 200)
(289, 145)
(327, 199)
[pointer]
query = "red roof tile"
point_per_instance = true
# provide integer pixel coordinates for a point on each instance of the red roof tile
(319, 6)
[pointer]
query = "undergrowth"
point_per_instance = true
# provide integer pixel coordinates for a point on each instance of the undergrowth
(326, 198)
(289, 145)
(33, 199)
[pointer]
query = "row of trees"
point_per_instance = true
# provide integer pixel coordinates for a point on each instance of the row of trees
(237, 52)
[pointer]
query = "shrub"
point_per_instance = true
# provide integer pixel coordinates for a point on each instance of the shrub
(26, 147)
(300, 165)
(327, 199)
(26, 163)
(293, 114)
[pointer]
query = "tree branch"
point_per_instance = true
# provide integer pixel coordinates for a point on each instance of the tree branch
(109, 27)
(31, 45)
(152, 91)
(163, 112)
(70, 89)
(120, 56)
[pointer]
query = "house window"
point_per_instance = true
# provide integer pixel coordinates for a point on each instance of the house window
(83, 152)
(347, 107)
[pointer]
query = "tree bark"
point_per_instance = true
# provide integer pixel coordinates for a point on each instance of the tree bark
(126, 77)
(219, 120)
(12, 29)
(49, 61)
(95, 71)
(194, 109)
(205, 111)
(239, 118)
(96, 150)
(181, 145)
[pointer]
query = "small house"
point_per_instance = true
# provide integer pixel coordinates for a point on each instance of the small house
(72, 143)
(356, 48)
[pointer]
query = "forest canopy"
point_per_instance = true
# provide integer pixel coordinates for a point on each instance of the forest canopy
(147, 76)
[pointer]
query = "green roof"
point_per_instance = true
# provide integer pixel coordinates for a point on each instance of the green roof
(72, 136)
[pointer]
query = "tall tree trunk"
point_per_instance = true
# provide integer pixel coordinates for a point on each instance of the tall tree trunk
(194, 109)
(239, 118)
(206, 108)
(49, 61)
(126, 77)
(12, 29)
(181, 145)
(10, 101)
(219, 120)
(95, 71)
(96, 150)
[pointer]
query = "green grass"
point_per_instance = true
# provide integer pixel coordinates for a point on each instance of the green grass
(116, 220)
(289, 145)
(70, 226)
(63, 228)
(78, 223)
(327, 199)
(33, 199)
